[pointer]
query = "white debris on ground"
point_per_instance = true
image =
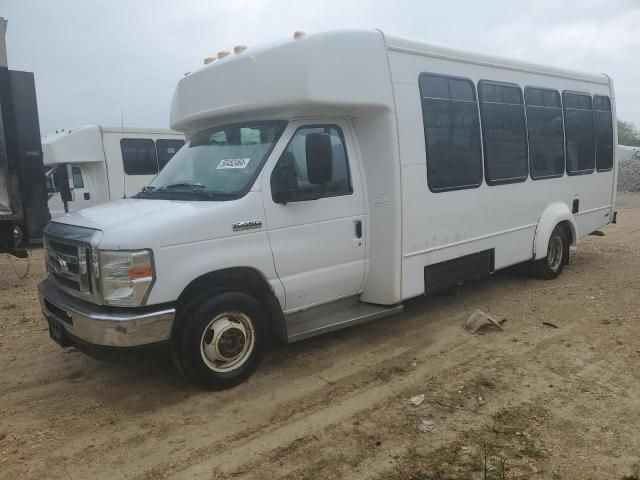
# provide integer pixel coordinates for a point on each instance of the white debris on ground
(480, 320)
(416, 400)
(427, 426)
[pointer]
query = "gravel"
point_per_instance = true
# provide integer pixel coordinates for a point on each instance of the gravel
(629, 176)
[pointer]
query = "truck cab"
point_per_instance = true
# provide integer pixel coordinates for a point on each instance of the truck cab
(257, 227)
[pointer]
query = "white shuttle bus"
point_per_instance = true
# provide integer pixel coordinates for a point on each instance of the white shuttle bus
(107, 163)
(325, 180)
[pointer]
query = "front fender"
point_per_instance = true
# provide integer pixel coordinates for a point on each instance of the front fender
(552, 216)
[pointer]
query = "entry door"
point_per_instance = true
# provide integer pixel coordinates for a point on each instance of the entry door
(82, 197)
(318, 236)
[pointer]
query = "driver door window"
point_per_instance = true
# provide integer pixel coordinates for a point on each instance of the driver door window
(290, 173)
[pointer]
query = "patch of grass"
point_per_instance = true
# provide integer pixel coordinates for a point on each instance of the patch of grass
(530, 450)
(9, 306)
(631, 477)
(488, 463)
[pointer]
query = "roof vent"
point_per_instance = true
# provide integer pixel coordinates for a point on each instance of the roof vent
(239, 49)
(208, 60)
(298, 34)
(222, 54)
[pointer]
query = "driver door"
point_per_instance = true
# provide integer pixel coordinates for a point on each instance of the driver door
(316, 235)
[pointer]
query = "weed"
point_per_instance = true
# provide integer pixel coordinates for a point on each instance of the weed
(530, 450)
(486, 461)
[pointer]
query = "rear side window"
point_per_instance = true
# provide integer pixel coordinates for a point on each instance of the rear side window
(579, 133)
(139, 156)
(503, 132)
(604, 132)
(452, 132)
(166, 150)
(546, 133)
(291, 174)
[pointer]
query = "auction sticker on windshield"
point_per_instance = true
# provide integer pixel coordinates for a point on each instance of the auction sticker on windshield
(233, 163)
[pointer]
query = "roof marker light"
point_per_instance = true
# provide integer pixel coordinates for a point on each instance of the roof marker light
(208, 60)
(222, 54)
(298, 34)
(186, 74)
(239, 49)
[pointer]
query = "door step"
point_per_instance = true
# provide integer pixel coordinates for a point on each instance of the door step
(334, 316)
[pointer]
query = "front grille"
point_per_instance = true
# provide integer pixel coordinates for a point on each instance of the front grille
(68, 264)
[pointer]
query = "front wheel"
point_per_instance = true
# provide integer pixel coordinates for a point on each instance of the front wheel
(557, 253)
(222, 339)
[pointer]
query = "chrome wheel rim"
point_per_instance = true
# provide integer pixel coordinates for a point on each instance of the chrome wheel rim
(227, 342)
(555, 252)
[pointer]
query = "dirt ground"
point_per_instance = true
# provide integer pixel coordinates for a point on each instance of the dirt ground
(557, 402)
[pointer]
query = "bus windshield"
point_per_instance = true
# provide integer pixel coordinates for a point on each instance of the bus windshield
(217, 164)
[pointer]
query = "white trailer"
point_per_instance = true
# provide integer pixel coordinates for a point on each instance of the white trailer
(325, 180)
(107, 163)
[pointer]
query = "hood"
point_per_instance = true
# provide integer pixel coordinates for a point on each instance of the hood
(135, 223)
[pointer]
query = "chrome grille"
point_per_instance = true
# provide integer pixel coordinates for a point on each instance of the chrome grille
(67, 264)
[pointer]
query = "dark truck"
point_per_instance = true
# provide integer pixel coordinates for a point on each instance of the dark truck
(23, 191)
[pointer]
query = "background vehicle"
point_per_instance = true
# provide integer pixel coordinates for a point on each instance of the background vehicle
(23, 195)
(325, 180)
(107, 163)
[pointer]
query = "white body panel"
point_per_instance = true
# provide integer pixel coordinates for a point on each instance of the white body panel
(95, 150)
(307, 251)
(445, 225)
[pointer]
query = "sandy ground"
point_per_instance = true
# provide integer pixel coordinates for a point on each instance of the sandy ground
(553, 403)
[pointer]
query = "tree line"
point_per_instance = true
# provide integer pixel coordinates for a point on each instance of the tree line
(628, 134)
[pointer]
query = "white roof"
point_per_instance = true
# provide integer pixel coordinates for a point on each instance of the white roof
(402, 44)
(325, 74)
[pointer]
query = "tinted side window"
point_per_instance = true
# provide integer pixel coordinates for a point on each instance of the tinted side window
(546, 133)
(503, 133)
(77, 177)
(451, 131)
(139, 156)
(604, 132)
(290, 173)
(579, 133)
(166, 150)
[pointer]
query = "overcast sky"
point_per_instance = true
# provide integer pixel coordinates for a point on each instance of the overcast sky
(94, 58)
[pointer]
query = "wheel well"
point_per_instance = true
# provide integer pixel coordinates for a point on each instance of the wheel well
(568, 230)
(239, 279)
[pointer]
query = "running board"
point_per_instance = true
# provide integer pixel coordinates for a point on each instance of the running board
(334, 316)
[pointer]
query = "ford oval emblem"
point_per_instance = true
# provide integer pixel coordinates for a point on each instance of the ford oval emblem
(59, 265)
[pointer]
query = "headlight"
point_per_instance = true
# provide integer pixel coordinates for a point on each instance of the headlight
(125, 276)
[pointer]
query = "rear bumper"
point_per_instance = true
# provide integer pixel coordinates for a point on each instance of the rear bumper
(105, 326)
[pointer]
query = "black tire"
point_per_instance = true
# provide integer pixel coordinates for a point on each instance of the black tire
(553, 263)
(196, 339)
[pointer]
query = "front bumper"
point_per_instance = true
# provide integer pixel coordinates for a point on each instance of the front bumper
(105, 326)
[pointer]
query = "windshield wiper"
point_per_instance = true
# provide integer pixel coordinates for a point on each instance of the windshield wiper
(192, 188)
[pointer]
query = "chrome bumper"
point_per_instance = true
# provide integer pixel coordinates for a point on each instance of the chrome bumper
(104, 326)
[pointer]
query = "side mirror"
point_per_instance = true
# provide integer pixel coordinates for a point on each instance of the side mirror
(319, 158)
(65, 179)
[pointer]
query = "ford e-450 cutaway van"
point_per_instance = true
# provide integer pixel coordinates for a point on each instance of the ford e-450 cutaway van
(325, 180)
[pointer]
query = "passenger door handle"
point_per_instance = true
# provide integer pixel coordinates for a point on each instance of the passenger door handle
(358, 224)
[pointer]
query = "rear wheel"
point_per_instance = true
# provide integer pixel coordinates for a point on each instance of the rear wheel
(222, 339)
(557, 253)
